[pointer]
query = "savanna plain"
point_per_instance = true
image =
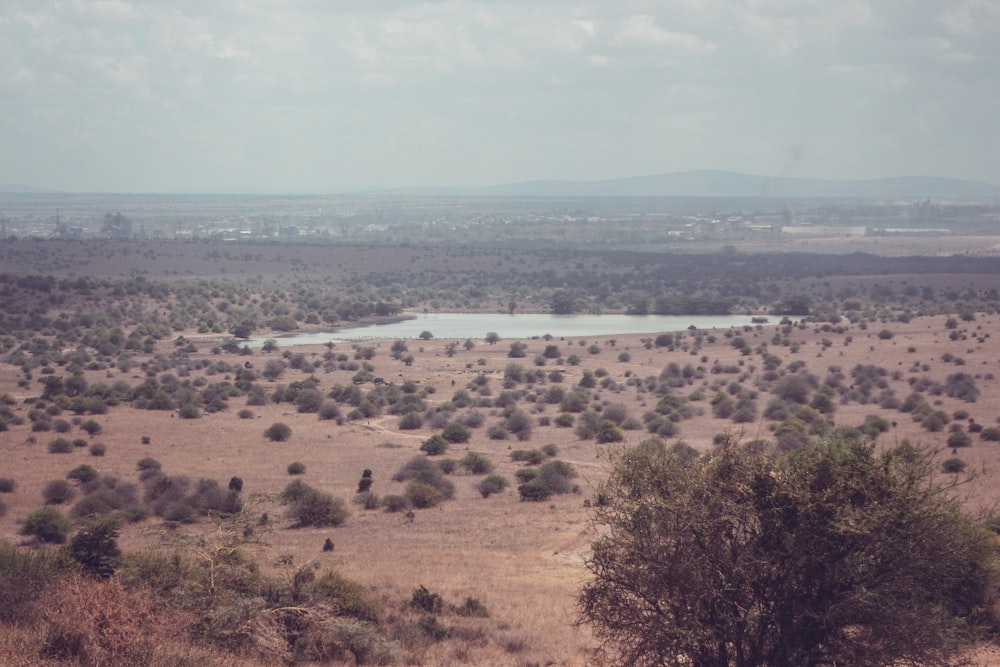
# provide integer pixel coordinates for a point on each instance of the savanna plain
(424, 501)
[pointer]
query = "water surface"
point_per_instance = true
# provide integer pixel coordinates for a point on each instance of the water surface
(518, 325)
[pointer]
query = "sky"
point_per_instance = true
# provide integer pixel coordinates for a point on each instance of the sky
(326, 96)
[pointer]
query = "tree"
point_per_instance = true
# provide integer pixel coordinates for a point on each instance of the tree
(95, 547)
(563, 302)
(831, 554)
(492, 337)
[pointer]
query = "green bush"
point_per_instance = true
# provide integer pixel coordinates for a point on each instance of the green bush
(7, 485)
(82, 473)
(189, 411)
(435, 445)
(411, 421)
(57, 492)
(472, 607)
(476, 463)
(318, 508)
(534, 491)
(959, 439)
(953, 465)
(423, 494)
(525, 475)
(148, 463)
(24, 578)
(347, 597)
(564, 420)
(426, 601)
(278, 432)
(60, 446)
(95, 548)
(396, 503)
(296, 468)
(529, 456)
(990, 434)
(492, 484)
(98, 449)
(47, 524)
(456, 432)
(91, 427)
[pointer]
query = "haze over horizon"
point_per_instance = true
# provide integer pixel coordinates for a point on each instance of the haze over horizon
(308, 96)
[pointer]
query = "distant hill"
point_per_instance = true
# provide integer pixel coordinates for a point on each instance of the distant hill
(17, 188)
(704, 183)
(714, 183)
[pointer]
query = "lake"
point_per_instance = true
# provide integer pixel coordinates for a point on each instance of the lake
(518, 325)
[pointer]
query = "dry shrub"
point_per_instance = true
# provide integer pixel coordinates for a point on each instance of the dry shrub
(100, 623)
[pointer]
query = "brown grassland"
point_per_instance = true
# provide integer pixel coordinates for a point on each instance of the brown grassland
(522, 560)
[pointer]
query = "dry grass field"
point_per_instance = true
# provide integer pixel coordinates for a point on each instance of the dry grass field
(522, 560)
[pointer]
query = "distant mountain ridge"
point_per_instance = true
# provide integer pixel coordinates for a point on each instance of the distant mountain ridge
(701, 183)
(718, 183)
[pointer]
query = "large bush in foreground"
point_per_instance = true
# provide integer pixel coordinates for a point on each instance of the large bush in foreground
(832, 554)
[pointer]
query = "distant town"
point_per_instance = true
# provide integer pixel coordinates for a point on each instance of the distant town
(423, 219)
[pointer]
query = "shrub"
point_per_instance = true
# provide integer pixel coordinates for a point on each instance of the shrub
(346, 597)
(410, 421)
(456, 432)
(497, 432)
(60, 446)
(57, 492)
(91, 427)
(148, 463)
(328, 410)
(189, 411)
(525, 475)
(296, 468)
(423, 600)
(295, 491)
(476, 463)
(47, 524)
(108, 494)
(396, 503)
(473, 419)
(990, 434)
(492, 484)
(953, 465)
(529, 456)
(434, 445)
(95, 548)
(564, 420)
(423, 494)
(609, 432)
(318, 508)
(534, 492)
(7, 485)
(245, 413)
(416, 466)
(959, 439)
(278, 432)
(519, 423)
(472, 607)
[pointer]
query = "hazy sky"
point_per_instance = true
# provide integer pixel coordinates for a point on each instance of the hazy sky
(327, 95)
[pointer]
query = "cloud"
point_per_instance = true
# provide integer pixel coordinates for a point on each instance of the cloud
(331, 94)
